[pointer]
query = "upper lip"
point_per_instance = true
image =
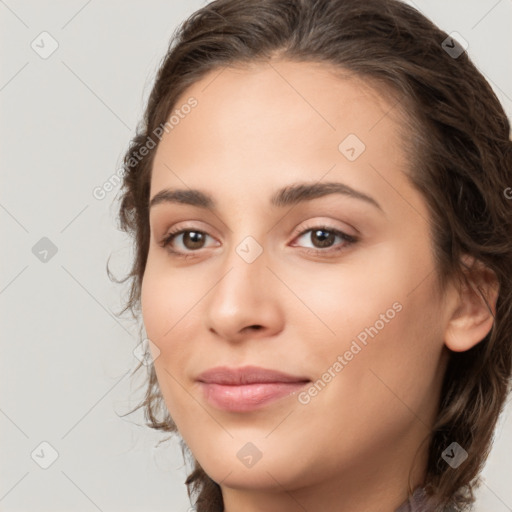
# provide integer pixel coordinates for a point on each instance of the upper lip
(246, 375)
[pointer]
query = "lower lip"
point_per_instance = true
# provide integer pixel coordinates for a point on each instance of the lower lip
(248, 397)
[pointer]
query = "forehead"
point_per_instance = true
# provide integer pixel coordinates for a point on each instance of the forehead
(273, 118)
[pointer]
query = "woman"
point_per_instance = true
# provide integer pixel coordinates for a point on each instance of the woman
(318, 198)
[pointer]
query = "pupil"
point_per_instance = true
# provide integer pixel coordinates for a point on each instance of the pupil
(193, 239)
(325, 238)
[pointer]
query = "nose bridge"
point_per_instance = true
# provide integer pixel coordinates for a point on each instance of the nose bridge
(244, 296)
(244, 270)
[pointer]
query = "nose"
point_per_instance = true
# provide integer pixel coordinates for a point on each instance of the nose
(245, 302)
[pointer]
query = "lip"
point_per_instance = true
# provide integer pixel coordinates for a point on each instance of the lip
(247, 388)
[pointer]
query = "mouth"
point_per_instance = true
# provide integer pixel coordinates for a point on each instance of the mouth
(248, 388)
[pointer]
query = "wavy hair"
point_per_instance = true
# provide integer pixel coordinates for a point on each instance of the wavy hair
(461, 162)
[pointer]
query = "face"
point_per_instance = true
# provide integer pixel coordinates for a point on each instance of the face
(304, 251)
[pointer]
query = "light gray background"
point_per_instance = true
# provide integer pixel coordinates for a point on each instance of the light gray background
(65, 122)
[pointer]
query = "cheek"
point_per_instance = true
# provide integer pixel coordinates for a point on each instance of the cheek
(165, 301)
(171, 312)
(340, 305)
(383, 319)
(167, 297)
(391, 357)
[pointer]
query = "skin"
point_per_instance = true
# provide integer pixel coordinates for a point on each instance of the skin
(255, 130)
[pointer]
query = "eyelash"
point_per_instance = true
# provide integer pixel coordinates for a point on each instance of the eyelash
(347, 239)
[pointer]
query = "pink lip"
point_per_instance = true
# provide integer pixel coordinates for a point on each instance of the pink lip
(248, 388)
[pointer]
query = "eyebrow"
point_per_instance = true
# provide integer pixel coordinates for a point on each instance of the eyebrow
(286, 196)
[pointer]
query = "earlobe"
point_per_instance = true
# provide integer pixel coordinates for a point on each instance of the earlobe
(473, 315)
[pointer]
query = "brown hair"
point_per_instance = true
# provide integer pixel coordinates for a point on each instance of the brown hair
(461, 161)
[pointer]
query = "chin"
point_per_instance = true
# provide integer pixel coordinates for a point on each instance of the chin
(261, 478)
(239, 466)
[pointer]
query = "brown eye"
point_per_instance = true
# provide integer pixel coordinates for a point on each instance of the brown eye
(186, 242)
(193, 239)
(322, 238)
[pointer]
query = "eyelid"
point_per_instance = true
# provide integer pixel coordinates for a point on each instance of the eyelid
(189, 225)
(322, 224)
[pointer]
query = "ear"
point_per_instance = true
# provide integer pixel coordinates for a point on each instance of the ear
(474, 307)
